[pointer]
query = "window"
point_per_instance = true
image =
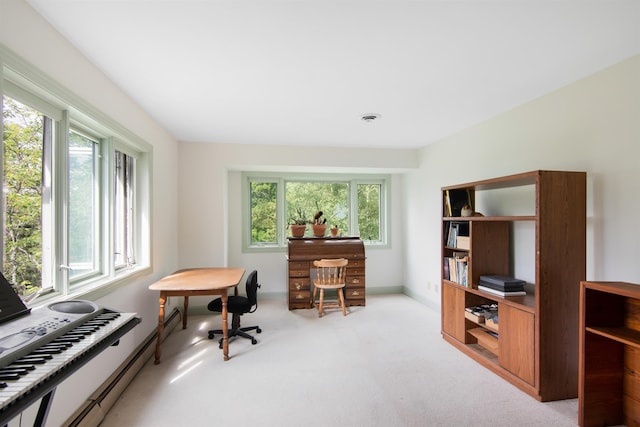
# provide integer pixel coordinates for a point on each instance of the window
(83, 206)
(355, 204)
(124, 253)
(264, 230)
(73, 211)
(26, 137)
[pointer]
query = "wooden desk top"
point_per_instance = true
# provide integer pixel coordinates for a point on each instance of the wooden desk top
(199, 279)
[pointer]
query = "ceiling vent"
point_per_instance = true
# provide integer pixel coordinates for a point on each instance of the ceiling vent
(370, 117)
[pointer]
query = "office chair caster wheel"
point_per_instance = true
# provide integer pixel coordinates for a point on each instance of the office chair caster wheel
(254, 341)
(211, 335)
(220, 345)
(258, 330)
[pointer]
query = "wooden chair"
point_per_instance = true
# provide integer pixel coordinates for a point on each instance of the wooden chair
(331, 275)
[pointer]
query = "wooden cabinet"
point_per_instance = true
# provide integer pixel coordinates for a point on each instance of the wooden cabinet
(517, 342)
(453, 316)
(303, 251)
(609, 392)
(535, 346)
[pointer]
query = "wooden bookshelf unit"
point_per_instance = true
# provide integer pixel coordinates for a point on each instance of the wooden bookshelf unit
(609, 392)
(536, 345)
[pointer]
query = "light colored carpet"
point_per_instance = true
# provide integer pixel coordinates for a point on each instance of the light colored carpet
(385, 364)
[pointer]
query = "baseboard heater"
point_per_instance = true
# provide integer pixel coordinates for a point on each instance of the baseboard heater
(93, 411)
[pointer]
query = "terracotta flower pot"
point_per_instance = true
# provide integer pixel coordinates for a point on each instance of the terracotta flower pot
(319, 230)
(297, 230)
(334, 231)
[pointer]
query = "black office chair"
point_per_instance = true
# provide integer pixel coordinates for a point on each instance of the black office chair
(237, 306)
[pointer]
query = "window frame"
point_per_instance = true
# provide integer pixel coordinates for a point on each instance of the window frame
(352, 180)
(25, 83)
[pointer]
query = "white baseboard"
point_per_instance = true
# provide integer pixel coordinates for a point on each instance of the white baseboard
(93, 411)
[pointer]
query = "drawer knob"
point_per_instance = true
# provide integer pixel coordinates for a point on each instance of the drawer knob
(299, 297)
(298, 286)
(355, 281)
(355, 294)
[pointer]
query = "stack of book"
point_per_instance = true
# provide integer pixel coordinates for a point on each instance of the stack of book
(503, 286)
(456, 268)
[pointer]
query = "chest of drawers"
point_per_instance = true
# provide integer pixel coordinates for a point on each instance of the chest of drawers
(303, 251)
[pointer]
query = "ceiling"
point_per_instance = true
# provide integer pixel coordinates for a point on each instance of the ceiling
(302, 72)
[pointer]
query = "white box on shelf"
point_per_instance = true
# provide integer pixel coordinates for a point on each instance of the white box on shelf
(463, 242)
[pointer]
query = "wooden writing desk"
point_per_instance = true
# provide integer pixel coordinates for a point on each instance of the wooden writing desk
(194, 282)
(302, 251)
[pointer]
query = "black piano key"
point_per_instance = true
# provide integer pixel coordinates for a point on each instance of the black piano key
(36, 358)
(3, 385)
(73, 336)
(9, 377)
(82, 332)
(65, 343)
(46, 351)
(71, 340)
(96, 322)
(52, 344)
(33, 361)
(110, 316)
(19, 368)
(29, 364)
(87, 332)
(14, 370)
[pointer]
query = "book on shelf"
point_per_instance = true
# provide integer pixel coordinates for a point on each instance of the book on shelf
(504, 288)
(447, 203)
(497, 279)
(457, 268)
(501, 293)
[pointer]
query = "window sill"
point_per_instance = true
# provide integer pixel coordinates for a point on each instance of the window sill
(283, 248)
(94, 289)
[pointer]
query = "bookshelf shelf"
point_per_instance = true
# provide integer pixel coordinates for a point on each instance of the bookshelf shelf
(623, 335)
(530, 350)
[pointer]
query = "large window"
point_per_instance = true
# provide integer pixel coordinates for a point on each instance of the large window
(356, 204)
(72, 213)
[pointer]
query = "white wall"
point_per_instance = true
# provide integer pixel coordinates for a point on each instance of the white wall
(210, 205)
(592, 125)
(29, 36)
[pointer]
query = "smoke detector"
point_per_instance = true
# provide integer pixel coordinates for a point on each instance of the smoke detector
(370, 117)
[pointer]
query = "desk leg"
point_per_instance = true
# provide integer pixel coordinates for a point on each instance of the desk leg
(184, 316)
(225, 330)
(163, 300)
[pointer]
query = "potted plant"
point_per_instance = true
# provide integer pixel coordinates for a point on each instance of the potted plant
(334, 231)
(298, 224)
(319, 224)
